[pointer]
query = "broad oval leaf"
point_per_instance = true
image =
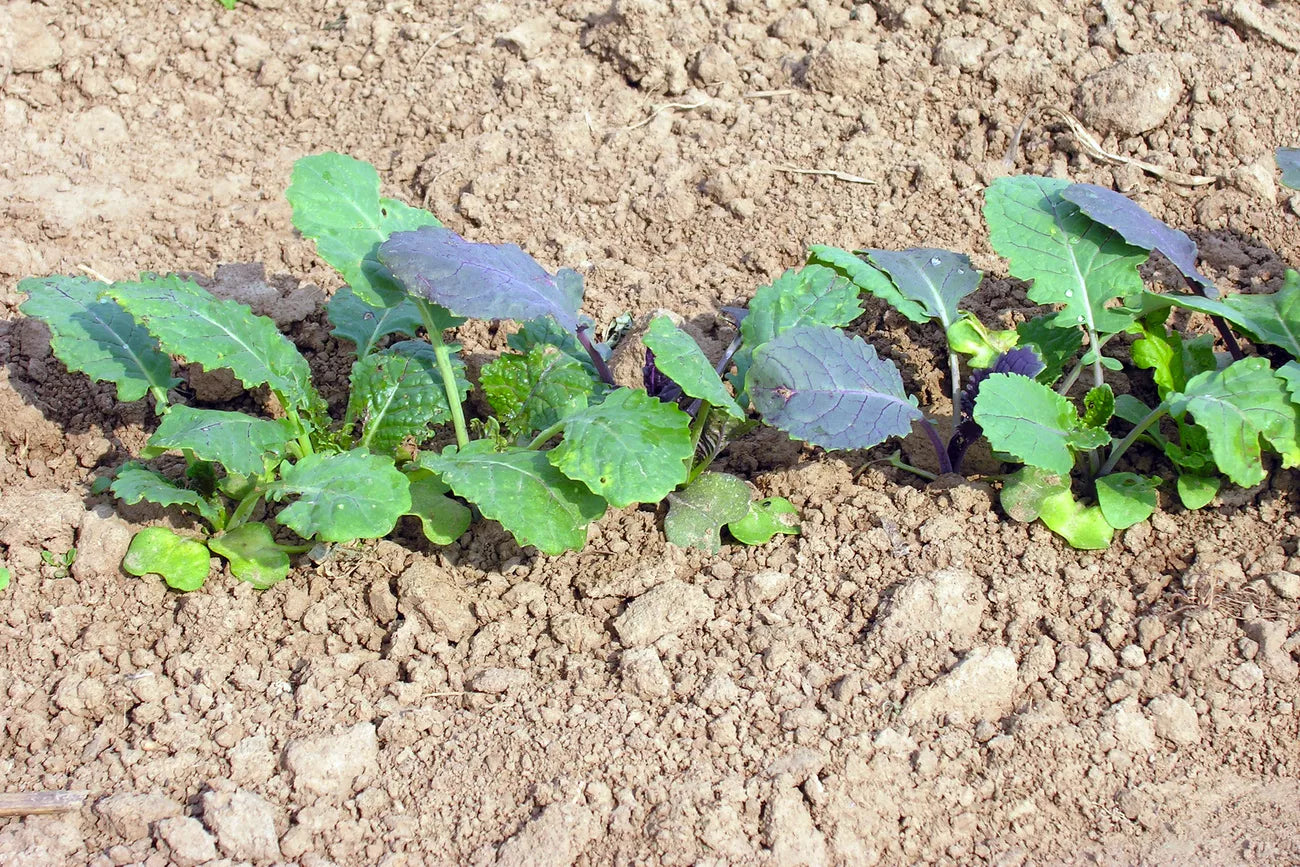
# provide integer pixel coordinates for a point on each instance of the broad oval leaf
(182, 563)
(365, 325)
(631, 448)
(811, 295)
(1071, 259)
(480, 281)
(519, 488)
(1032, 493)
(336, 203)
(241, 443)
(821, 386)
(679, 357)
(342, 497)
(93, 335)
(1033, 423)
(1140, 229)
(194, 325)
(698, 512)
(937, 280)
(531, 392)
(443, 519)
(1126, 499)
(764, 520)
(398, 392)
(253, 555)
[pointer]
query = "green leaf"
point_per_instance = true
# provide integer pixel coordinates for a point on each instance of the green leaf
(1055, 345)
(698, 512)
(5, 576)
(241, 443)
(1237, 406)
(1126, 499)
(865, 277)
(1025, 418)
(971, 337)
(182, 563)
(935, 279)
(1072, 260)
(1032, 493)
(537, 503)
(253, 555)
(95, 336)
(764, 520)
(632, 448)
(547, 332)
(680, 358)
(1171, 360)
(135, 483)
(443, 519)
(336, 203)
(1271, 318)
(342, 497)
(398, 392)
(529, 393)
(1098, 406)
(1290, 374)
(194, 325)
(365, 325)
(1196, 491)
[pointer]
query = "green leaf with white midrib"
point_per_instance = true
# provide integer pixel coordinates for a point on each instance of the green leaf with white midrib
(935, 279)
(519, 488)
(239, 442)
(680, 358)
(342, 497)
(1272, 318)
(194, 325)
(365, 325)
(135, 482)
(1030, 421)
(631, 448)
(529, 393)
(398, 392)
(865, 277)
(1072, 260)
(95, 336)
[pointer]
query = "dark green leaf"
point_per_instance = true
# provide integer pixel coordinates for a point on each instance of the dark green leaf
(698, 512)
(241, 443)
(253, 555)
(1098, 406)
(529, 393)
(1055, 345)
(342, 497)
(443, 519)
(135, 483)
(398, 392)
(365, 325)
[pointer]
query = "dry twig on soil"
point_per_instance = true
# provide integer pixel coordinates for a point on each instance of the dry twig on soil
(39, 803)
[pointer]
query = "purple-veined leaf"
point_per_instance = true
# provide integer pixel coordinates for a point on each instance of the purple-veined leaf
(480, 281)
(822, 386)
(937, 280)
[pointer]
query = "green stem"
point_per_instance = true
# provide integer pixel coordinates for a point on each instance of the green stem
(896, 460)
(541, 438)
(302, 438)
(1123, 445)
(1098, 377)
(296, 549)
(697, 430)
(954, 370)
(442, 354)
(1073, 376)
(244, 509)
(160, 403)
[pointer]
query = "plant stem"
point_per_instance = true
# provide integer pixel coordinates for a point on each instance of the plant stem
(895, 460)
(1073, 376)
(442, 354)
(1123, 445)
(244, 509)
(160, 403)
(697, 430)
(1098, 377)
(954, 370)
(606, 375)
(940, 450)
(541, 438)
(301, 438)
(1229, 340)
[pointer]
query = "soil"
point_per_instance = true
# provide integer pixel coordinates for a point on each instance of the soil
(914, 679)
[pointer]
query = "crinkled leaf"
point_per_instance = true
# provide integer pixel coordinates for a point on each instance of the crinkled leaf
(336, 203)
(1139, 228)
(1098, 406)
(1071, 259)
(182, 563)
(398, 392)
(865, 277)
(342, 497)
(632, 448)
(1055, 345)
(1237, 406)
(1290, 374)
(1288, 160)
(365, 325)
(1195, 491)
(698, 512)
(679, 357)
(1171, 360)
(537, 503)
(253, 555)
(1031, 493)
(1026, 419)
(546, 331)
(241, 443)
(971, 337)
(443, 519)
(193, 324)
(480, 281)
(135, 483)
(1126, 499)
(93, 335)
(935, 279)
(764, 520)
(824, 387)
(529, 393)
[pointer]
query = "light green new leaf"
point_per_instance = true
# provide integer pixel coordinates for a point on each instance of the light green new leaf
(1171, 360)
(1025, 418)
(135, 483)
(336, 203)
(1072, 260)
(865, 278)
(1126, 499)
(342, 497)
(632, 448)
(698, 512)
(241, 443)
(443, 519)
(1196, 491)
(971, 337)
(194, 325)
(182, 563)
(529, 393)
(95, 336)
(680, 358)
(537, 503)
(398, 392)
(1237, 406)
(1031, 493)
(764, 520)
(1098, 406)
(253, 555)
(365, 325)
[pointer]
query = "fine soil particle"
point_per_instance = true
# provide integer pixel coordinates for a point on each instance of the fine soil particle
(913, 679)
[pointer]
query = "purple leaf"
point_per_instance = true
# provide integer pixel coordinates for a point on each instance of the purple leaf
(1022, 360)
(1140, 229)
(822, 386)
(480, 281)
(657, 383)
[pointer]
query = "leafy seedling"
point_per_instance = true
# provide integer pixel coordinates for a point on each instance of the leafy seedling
(61, 563)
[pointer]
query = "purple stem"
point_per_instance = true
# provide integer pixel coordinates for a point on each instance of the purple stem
(940, 450)
(606, 375)
(1229, 340)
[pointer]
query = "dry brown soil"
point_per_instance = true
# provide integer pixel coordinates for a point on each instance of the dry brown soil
(913, 680)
